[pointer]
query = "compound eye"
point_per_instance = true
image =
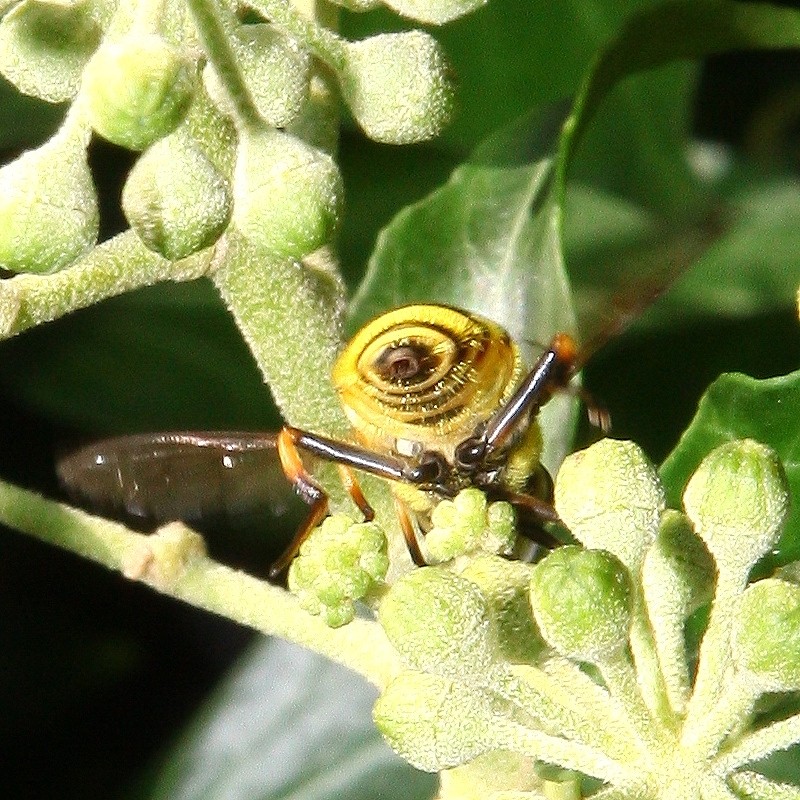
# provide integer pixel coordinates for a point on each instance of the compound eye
(402, 364)
(470, 454)
(431, 470)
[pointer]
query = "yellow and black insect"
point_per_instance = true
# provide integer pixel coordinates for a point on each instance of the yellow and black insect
(439, 400)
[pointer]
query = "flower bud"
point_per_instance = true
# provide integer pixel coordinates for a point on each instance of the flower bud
(678, 571)
(287, 194)
(468, 524)
(581, 600)
(737, 501)
(440, 623)
(611, 499)
(274, 69)
(766, 634)
(505, 586)
(397, 87)
(138, 90)
(359, 5)
(45, 46)
(48, 208)
(175, 199)
(434, 12)
(338, 564)
(432, 722)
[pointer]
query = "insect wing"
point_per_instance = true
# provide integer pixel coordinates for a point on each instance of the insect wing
(621, 290)
(191, 476)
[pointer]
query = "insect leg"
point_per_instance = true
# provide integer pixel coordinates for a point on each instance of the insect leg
(551, 372)
(353, 487)
(346, 457)
(319, 510)
(409, 532)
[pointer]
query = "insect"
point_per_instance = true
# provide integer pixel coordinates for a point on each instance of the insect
(438, 399)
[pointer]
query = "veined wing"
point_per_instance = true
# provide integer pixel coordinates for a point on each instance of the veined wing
(191, 475)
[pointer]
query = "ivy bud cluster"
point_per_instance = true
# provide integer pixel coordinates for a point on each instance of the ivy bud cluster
(580, 666)
(234, 120)
(341, 563)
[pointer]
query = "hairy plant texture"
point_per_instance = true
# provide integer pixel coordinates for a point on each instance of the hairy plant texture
(607, 689)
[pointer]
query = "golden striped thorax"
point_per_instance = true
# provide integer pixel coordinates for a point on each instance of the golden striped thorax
(423, 377)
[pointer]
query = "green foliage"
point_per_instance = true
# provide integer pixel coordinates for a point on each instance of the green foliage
(564, 216)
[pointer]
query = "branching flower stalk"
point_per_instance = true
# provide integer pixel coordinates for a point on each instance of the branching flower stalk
(584, 702)
(560, 679)
(515, 680)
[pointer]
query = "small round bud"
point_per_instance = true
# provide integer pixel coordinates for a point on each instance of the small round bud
(737, 501)
(175, 199)
(44, 46)
(766, 634)
(138, 90)
(432, 722)
(439, 622)
(339, 563)
(505, 586)
(581, 600)
(48, 208)
(678, 571)
(434, 12)
(274, 69)
(468, 524)
(611, 499)
(287, 194)
(397, 87)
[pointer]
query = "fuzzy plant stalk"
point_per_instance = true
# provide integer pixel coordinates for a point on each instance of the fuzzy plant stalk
(511, 680)
(236, 125)
(571, 676)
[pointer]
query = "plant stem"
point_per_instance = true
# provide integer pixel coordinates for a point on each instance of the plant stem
(217, 46)
(172, 562)
(112, 268)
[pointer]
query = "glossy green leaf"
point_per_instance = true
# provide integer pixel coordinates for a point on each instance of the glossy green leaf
(737, 407)
(288, 724)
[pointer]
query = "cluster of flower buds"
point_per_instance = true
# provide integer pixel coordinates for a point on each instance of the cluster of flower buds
(227, 115)
(343, 561)
(582, 661)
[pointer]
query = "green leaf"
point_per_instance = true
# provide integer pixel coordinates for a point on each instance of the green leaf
(736, 407)
(288, 724)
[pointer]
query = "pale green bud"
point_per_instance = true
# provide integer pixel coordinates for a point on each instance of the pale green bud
(611, 499)
(274, 69)
(737, 501)
(175, 199)
(766, 634)
(434, 12)
(138, 89)
(581, 600)
(45, 46)
(340, 562)
(468, 524)
(505, 586)
(48, 208)
(678, 570)
(397, 86)
(440, 623)
(432, 722)
(287, 194)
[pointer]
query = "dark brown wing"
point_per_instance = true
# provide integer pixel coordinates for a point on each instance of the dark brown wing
(190, 476)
